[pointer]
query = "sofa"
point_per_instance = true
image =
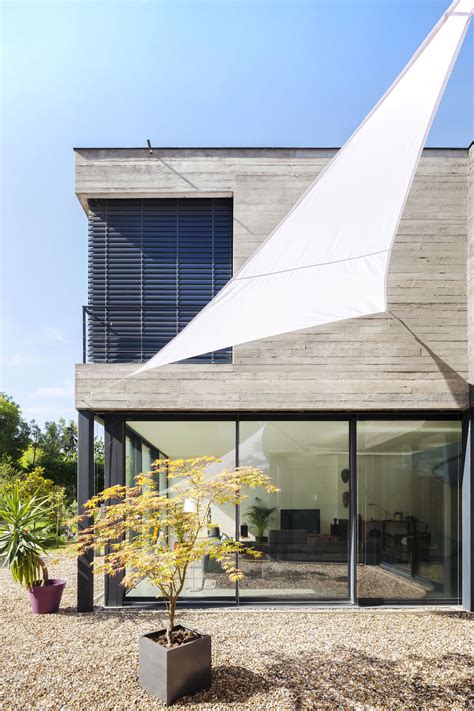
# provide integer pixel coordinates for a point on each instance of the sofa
(298, 545)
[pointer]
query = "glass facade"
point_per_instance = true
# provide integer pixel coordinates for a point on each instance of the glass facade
(407, 540)
(408, 499)
(185, 439)
(304, 540)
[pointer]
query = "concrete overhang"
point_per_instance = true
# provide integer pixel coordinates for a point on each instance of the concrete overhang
(125, 173)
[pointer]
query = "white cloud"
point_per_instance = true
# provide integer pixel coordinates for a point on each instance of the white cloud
(54, 391)
(50, 402)
(16, 360)
(55, 334)
(48, 411)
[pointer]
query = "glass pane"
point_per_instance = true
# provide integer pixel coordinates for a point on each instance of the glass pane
(146, 458)
(408, 497)
(182, 440)
(133, 458)
(302, 532)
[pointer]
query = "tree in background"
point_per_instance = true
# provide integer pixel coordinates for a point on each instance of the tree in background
(8, 472)
(99, 454)
(14, 431)
(35, 434)
(40, 462)
(34, 484)
(55, 450)
(24, 448)
(59, 440)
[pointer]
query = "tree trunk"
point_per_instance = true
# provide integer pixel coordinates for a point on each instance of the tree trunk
(171, 606)
(45, 572)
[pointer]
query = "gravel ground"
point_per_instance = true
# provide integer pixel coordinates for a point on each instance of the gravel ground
(261, 659)
(323, 579)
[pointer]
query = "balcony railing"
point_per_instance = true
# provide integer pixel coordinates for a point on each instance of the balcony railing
(124, 333)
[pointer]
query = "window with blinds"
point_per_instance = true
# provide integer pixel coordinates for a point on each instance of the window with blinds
(153, 265)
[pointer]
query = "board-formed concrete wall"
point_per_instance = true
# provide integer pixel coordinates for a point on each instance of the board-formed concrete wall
(415, 357)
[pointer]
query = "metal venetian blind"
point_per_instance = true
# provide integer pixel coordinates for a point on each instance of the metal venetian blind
(153, 265)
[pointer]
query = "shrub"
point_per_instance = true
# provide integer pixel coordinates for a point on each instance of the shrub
(146, 534)
(34, 483)
(8, 472)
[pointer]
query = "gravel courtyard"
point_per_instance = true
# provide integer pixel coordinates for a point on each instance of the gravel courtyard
(261, 659)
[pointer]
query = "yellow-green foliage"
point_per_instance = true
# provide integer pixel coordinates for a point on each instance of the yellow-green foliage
(151, 535)
(30, 456)
(34, 483)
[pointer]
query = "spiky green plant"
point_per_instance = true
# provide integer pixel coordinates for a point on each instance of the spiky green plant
(259, 516)
(24, 531)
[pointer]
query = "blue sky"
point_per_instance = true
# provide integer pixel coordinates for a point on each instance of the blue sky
(221, 73)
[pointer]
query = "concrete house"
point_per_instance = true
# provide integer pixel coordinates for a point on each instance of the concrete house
(363, 424)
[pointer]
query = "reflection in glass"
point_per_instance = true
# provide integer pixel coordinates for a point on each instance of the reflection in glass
(302, 532)
(183, 440)
(408, 479)
(408, 500)
(147, 458)
(133, 458)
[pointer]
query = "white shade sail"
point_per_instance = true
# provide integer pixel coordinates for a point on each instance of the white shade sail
(327, 260)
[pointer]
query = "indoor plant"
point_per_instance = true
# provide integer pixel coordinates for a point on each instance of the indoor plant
(260, 516)
(148, 534)
(25, 529)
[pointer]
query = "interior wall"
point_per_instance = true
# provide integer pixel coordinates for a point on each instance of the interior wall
(387, 482)
(412, 469)
(306, 482)
(305, 460)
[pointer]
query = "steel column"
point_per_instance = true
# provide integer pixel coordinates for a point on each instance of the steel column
(237, 509)
(114, 461)
(353, 517)
(85, 489)
(467, 513)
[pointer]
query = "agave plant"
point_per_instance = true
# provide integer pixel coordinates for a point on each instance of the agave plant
(24, 532)
(260, 516)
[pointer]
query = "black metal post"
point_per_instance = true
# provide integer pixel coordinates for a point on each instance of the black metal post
(237, 508)
(85, 489)
(353, 517)
(84, 334)
(114, 473)
(467, 498)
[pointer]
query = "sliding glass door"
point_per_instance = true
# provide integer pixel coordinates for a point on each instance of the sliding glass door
(302, 531)
(408, 494)
(404, 536)
(182, 440)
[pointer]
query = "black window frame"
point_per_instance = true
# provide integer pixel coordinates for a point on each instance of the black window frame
(352, 419)
(153, 264)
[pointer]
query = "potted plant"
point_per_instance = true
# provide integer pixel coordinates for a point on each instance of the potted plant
(25, 531)
(260, 516)
(146, 534)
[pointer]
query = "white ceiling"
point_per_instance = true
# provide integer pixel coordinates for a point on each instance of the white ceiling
(258, 439)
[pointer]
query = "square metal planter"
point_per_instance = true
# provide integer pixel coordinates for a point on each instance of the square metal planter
(170, 673)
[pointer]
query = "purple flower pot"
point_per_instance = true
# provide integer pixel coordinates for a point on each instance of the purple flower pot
(46, 598)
